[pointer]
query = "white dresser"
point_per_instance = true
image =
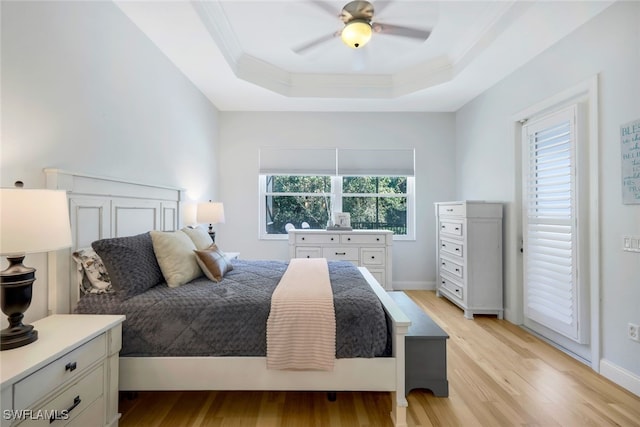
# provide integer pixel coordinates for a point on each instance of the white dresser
(364, 248)
(68, 377)
(469, 256)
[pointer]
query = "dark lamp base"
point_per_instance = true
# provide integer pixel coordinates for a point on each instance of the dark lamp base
(16, 286)
(18, 336)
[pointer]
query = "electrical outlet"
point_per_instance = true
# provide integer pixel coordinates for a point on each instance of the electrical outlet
(633, 332)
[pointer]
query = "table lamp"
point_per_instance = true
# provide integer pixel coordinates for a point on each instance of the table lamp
(212, 213)
(31, 221)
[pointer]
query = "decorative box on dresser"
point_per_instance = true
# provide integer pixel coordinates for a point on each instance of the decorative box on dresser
(364, 248)
(469, 255)
(68, 377)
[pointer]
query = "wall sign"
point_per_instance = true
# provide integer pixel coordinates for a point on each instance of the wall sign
(630, 148)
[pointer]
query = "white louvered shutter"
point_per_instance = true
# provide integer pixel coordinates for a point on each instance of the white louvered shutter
(550, 234)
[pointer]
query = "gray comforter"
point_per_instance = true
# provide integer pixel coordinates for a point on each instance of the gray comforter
(203, 318)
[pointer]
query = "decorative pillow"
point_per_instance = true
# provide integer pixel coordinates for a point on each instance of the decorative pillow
(130, 262)
(199, 236)
(213, 262)
(95, 278)
(174, 251)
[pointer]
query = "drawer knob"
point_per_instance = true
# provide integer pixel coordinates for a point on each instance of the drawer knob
(308, 256)
(457, 269)
(332, 239)
(443, 227)
(377, 239)
(444, 246)
(457, 249)
(349, 239)
(341, 253)
(373, 257)
(71, 366)
(449, 210)
(444, 263)
(303, 238)
(457, 228)
(76, 402)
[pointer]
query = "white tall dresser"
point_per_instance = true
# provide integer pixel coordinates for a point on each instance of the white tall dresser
(469, 256)
(364, 248)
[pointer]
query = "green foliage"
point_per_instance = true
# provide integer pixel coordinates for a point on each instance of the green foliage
(312, 203)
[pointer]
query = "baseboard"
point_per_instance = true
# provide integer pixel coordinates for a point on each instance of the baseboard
(620, 376)
(414, 286)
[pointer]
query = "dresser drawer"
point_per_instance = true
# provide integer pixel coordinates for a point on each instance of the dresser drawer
(372, 257)
(70, 403)
(312, 252)
(360, 239)
(452, 287)
(451, 267)
(67, 367)
(347, 254)
(453, 248)
(92, 416)
(453, 228)
(317, 238)
(452, 210)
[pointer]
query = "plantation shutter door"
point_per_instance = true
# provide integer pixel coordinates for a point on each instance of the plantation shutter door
(549, 214)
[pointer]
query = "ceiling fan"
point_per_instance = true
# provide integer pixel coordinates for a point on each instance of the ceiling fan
(359, 27)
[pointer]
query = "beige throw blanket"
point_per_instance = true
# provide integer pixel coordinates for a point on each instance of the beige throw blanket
(301, 328)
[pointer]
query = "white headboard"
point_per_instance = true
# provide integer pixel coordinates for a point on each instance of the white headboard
(100, 208)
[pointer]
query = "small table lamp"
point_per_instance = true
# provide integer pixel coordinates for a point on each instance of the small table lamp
(30, 221)
(211, 212)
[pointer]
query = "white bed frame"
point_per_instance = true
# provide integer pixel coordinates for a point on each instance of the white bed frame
(106, 207)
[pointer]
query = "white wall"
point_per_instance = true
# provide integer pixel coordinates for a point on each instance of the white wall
(242, 135)
(607, 46)
(84, 90)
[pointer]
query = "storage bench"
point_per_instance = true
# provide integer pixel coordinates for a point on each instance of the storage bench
(425, 349)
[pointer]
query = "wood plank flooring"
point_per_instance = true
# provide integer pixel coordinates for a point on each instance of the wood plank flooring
(499, 375)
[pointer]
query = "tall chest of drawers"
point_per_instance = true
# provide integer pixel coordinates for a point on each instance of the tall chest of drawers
(364, 248)
(68, 377)
(469, 256)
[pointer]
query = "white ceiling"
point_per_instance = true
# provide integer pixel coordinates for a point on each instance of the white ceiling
(239, 53)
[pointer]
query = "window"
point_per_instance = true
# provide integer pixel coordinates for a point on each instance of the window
(304, 201)
(304, 187)
(376, 202)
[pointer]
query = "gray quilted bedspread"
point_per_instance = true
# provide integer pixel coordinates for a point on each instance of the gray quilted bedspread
(229, 318)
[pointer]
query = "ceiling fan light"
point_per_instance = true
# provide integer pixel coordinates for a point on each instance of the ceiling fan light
(356, 33)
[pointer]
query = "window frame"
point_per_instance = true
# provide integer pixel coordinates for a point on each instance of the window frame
(335, 198)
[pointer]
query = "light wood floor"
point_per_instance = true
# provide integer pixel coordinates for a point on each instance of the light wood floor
(499, 375)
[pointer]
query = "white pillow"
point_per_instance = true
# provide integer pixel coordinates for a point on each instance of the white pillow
(177, 261)
(199, 236)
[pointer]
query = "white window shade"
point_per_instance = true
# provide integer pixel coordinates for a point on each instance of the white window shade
(297, 161)
(370, 162)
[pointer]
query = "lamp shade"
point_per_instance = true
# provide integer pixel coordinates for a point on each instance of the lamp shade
(356, 33)
(33, 221)
(210, 212)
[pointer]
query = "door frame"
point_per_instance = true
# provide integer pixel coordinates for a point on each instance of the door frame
(587, 92)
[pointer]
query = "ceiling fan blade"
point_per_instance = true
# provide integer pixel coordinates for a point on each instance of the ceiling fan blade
(399, 30)
(315, 42)
(327, 7)
(379, 6)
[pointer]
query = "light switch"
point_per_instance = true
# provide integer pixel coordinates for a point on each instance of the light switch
(631, 243)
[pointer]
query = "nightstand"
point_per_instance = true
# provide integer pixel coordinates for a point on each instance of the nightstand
(69, 376)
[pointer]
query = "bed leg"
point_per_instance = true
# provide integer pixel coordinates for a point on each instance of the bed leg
(399, 410)
(128, 395)
(331, 396)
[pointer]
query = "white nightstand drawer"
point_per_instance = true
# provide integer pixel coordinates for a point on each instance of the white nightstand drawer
(372, 256)
(346, 254)
(450, 247)
(454, 228)
(302, 252)
(451, 267)
(360, 239)
(41, 382)
(317, 238)
(92, 416)
(452, 210)
(70, 403)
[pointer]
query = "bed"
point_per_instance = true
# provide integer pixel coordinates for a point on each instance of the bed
(102, 208)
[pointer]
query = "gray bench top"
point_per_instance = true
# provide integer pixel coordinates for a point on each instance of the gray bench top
(422, 327)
